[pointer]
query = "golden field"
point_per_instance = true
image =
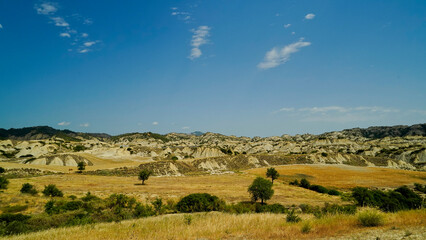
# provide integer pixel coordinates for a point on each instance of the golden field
(216, 225)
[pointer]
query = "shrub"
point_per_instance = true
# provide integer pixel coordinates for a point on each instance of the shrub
(79, 148)
(306, 227)
(187, 219)
(318, 188)
(143, 210)
(292, 217)
(89, 197)
(52, 191)
(337, 209)
(200, 202)
(261, 189)
(13, 223)
(2, 170)
(305, 183)
(295, 183)
(333, 192)
(158, 205)
(81, 166)
(3, 182)
(28, 188)
(419, 187)
(174, 158)
(273, 208)
(370, 218)
(324, 154)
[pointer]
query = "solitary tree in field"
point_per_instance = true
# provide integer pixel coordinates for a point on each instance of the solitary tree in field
(144, 175)
(272, 173)
(261, 188)
(81, 166)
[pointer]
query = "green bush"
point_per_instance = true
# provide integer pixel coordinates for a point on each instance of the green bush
(295, 183)
(305, 183)
(333, 192)
(419, 187)
(200, 202)
(28, 188)
(318, 188)
(89, 197)
(292, 217)
(143, 211)
(2, 170)
(13, 223)
(79, 148)
(52, 191)
(306, 227)
(370, 218)
(3, 182)
(272, 208)
(390, 201)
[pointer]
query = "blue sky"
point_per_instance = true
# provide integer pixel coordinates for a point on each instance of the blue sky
(252, 68)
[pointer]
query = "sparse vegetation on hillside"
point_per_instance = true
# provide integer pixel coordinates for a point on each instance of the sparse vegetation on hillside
(3, 182)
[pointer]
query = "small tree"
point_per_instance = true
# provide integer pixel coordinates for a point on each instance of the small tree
(261, 189)
(81, 166)
(52, 191)
(3, 182)
(305, 183)
(2, 170)
(144, 175)
(272, 173)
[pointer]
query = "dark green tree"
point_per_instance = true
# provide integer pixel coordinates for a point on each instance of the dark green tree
(272, 173)
(144, 175)
(2, 170)
(261, 188)
(81, 166)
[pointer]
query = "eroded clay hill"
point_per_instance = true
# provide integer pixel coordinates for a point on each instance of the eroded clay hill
(401, 147)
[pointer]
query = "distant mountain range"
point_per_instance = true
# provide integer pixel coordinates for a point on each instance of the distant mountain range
(45, 132)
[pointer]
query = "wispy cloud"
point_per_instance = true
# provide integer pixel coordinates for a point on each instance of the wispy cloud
(182, 15)
(85, 125)
(65, 35)
(199, 38)
(185, 128)
(155, 123)
(59, 22)
(287, 25)
(46, 8)
(310, 16)
(64, 123)
(79, 41)
(338, 113)
(1, 26)
(277, 56)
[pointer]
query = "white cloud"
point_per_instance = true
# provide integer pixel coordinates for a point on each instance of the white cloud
(287, 25)
(292, 33)
(60, 22)
(276, 56)
(154, 123)
(1, 26)
(89, 44)
(46, 8)
(85, 35)
(64, 123)
(198, 39)
(65, 35)
(185, 128)
(85, 125)
(338, 113)
(83, 50)
(310, 16)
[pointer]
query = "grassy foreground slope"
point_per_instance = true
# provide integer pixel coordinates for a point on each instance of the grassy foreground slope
(216, 225)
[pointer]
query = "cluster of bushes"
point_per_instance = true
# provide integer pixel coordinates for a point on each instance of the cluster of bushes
(250, 207)
(419, 187)
(401, 198)
(317, 188)
(328, 209)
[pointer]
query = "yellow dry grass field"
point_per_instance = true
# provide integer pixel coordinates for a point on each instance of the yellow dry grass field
(216, 225)
(98, 163)
(346, 177)
(230, 187)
